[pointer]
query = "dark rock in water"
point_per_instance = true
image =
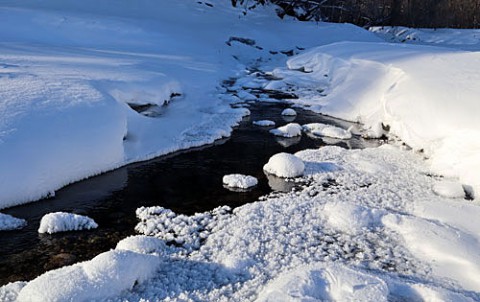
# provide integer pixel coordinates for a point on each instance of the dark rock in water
(60, 260)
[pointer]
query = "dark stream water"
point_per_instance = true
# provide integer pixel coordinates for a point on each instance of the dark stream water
(186, 182)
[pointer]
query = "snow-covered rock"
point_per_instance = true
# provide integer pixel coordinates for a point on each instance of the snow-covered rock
(106, 275)
(239, 181)
(143, 245)
(289, 130)
(450, 189)
(319, 129)
(62, 222)
(284, 165)
(264, 123)
(8, 222)
(289, 112)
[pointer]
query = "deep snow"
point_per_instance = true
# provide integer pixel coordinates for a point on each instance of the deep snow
(387, 223)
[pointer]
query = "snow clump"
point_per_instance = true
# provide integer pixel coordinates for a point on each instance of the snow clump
(239, 181)
(264, 123)
(289, 112)
(449, 189)
(319, 129)
(289, 130)
(8, 222)
(62, 222)
(284, 165)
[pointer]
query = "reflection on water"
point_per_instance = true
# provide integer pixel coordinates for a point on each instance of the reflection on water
(185, 182)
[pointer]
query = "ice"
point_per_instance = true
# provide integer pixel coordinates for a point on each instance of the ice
(449, 189)
(264, 123)
(289, 112)
(8, 222)
(106, 275)
(289, 130)
(319, 129)
(239, 181)
(62, 222)
(284, 165)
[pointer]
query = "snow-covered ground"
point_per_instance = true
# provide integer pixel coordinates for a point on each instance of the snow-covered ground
(394, 223)
(69, 71)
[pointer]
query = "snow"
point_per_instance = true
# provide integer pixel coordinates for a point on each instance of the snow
(323, 282)
(239, 181)
(467, 39)
(8, 222)
(143, 245)
(88, 87)
(426, 96)
(284, 165)
(106, 275)
(306, 243)
(70, 75)
(319, 129)
(264, 123)
(62, 222)
(449, 189)
(289, 130)
(289, 112)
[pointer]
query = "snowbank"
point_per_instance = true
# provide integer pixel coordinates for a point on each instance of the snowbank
(427, 96)
(239, 181)
(284, 165)
(319, 129)
(62, 222)
(106, 275)
(467, 39)
(289, 130)
(8, 222)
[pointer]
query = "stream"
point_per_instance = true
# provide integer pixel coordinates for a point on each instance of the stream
(186, 182)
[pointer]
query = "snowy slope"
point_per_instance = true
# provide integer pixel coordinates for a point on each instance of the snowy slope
(68, 70)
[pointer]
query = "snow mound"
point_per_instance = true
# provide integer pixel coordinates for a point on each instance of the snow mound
(106, 275)
(449, 189)
(8, 222)
(284, 165)
(143, 245)
(324, 282)
(351, 218)
(289, 112)
(239, 181)
(319, 129)
(264, 123)
(289, 130)
(62, 222)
